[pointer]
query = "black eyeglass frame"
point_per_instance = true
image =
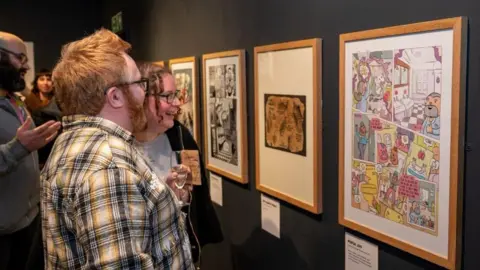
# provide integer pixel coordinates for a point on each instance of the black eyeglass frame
(141, 81)
(170, 98)
(23, 58)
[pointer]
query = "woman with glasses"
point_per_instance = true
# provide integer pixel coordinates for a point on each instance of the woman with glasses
(161, 144)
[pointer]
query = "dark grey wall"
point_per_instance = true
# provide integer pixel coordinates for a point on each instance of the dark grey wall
(49, 24)
(160, 30)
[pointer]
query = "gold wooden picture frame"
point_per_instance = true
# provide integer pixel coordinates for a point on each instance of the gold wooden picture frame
(400, 163)
(160, 63)
(185, 72)
(224, 115)
(288, 115)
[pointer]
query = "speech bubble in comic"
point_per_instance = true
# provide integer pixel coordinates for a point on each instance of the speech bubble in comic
(376, 124)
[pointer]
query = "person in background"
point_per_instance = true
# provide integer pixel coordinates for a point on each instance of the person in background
(42, 105)
(42, 90)
(163, 136)
(19, 172)
(102, 205)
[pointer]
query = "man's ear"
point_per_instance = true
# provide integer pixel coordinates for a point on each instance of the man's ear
(115, 98)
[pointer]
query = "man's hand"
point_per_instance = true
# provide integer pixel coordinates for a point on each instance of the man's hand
(34, 139)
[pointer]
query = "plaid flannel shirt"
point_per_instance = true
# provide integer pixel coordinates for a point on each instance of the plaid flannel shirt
(104, 208)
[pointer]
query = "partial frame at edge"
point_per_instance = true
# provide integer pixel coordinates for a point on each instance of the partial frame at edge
(459, 27)
(196, 103)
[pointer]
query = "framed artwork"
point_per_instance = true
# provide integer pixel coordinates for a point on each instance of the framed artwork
(288, 133)
(160, 63)
(401, 129)
(30, 76)
(224, 96)
(184, 71)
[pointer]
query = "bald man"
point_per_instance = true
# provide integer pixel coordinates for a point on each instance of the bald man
(19, 173)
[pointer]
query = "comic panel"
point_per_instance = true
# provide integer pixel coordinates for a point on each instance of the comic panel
(400, 181)
(418, 89)
(285, 123)
(184, 84)
(421, 204)
(385, 134)
(223, 113)
(365, 179)
(364, 137)
(372, 83)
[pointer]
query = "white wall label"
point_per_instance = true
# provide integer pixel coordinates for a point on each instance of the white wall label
(270, 215)
(360, 254)
(216, 189)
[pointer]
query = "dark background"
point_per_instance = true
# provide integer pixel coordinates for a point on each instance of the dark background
(49, 24)
(161, 30)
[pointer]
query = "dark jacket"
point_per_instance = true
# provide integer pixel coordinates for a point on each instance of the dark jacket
(40, 116)
(202, 214)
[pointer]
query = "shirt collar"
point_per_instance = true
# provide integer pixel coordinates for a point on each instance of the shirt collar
(74, 122)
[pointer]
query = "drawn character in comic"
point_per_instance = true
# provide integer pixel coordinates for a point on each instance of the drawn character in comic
(363, 138)
(387, 99)
(394, 156)
(360, 84)
(377, 86)
(414, 212)
(431, 125)
(390, 195)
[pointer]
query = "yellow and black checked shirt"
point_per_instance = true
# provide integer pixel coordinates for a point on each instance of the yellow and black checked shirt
(104, 208)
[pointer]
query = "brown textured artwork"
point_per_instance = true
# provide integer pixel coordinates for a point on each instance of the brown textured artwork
(285, 123)
(191, 159)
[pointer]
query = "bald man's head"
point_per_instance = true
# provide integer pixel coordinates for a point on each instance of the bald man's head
(14, 47)
(7, 38)
(13, 62)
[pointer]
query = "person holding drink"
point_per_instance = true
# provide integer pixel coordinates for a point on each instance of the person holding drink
(172, 152)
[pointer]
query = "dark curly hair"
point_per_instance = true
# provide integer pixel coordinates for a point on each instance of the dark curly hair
(43, 72)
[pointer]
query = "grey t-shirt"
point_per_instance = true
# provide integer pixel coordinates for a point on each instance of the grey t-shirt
(158, 153)
(160, 156)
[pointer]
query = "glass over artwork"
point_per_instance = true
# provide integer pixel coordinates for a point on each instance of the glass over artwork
(184, 83)
(396, 135)
(223, 112)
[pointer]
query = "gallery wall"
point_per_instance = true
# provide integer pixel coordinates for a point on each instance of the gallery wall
(49, 24)
(161, 30)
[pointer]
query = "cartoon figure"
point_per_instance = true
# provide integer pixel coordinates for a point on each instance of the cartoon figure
(363, 139)
(419, 171)
(376, 93)
(388, 105)
(388, 141)
(382, 153)
(361, 92)
(415, 213)
(431, 125)
(391, 191)
(394, 156)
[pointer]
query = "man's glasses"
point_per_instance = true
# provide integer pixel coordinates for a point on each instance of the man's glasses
(170, 97)
(20, 56)
(143, 83)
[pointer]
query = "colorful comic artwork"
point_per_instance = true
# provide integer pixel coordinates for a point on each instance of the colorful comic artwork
(396, 135)
(184, 83)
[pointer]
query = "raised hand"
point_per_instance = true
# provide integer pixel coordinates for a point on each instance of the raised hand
(34, 139)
